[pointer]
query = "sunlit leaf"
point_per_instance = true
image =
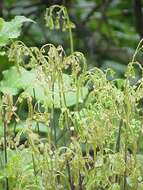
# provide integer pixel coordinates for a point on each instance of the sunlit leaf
(18, 79)
(12, 29)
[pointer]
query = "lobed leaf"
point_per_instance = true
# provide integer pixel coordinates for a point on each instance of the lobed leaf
(12, 29)
(18, 79)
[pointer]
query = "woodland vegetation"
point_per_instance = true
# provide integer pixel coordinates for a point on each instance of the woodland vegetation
(71, 95)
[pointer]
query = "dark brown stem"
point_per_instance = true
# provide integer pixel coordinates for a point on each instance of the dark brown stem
(119, 136)
(70, 177)
(1, 8)
(80, 182)
(138, 17)
(118, 144)
(102, 6)
(90, 14)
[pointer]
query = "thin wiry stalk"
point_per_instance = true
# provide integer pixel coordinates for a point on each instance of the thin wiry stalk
(67, 123)
(5, 126)
(125, 159)
(70, 33)
(70, 177)
(80, 182)
(53, 117)
(34, 167)
(118, 144)
(37, 123)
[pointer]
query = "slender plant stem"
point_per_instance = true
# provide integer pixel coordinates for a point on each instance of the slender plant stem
(71, 41)
(67, 126)
(37, 123)
(14, 130)
(70, 34)
(119, 136)
(125, 159)
(80, 181)
(34, 167)
(118, 144)
(53, 115)
(70, 177)
(126, 126)
(5, 152)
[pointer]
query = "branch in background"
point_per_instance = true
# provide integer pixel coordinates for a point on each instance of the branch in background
(24, 6)
(121, 55)
(138, 17)
(90, 14)
(1, 8)
(58, 2)
(101, 48)
(103, 5)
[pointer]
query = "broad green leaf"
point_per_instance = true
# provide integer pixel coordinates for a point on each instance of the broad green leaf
(139, 158)
(12, 29)
(41, 127)
(17, 78)
(46, 96)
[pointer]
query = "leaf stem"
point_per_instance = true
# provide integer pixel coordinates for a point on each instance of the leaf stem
(5, 126)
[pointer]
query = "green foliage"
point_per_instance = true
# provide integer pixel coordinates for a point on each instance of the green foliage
(57, 16)
(64, 126)
(105, 31)
(11, 30)
(29, 82)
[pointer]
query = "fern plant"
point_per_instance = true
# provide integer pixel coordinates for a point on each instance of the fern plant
(63, 126)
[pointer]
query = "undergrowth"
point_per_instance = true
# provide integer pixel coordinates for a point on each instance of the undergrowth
(63, 126)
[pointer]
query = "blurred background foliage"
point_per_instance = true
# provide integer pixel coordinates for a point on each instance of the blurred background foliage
(107, 31)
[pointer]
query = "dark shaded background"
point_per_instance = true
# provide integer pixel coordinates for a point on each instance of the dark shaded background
(107, 31)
